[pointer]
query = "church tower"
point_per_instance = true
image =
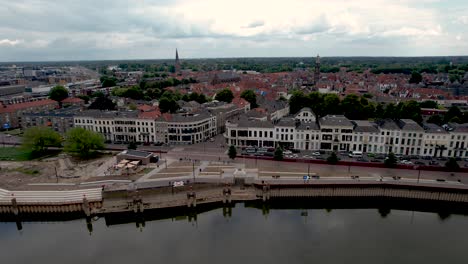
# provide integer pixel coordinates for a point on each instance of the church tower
(317, 70)
(177, 62)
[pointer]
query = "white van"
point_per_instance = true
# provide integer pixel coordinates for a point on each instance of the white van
(355, 154)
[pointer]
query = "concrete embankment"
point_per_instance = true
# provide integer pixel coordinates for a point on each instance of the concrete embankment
(128, 198)
(30, 202)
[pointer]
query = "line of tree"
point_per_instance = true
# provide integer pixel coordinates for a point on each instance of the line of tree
(354, 107)
(251, 97)
(225, 95)
(453, 115)
(78, 141)
(200, 98)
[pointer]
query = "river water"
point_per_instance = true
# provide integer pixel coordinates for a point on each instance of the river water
(244, 235)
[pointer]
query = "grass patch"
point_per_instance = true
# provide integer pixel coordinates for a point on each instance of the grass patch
(27, 171)
(147, 170)
(20, 154)
(14, 132)
(15, 154)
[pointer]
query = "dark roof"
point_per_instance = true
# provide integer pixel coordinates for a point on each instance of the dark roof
(433, 128)
(62, 112)
(108, 114)
(137, 153)
(458, 127)
(286, 122)
(193, 117)
(246, 123)
(388, 124)
(308, 126)
(365, 126)
(335, 120)
(409, 125)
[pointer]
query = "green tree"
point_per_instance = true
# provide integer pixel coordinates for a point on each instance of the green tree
(132, 106)
(225, 95)
(416, 77)
(278, 155)
(436, 119)
(315, 101)
(84, 98)
(153, 93)
(453, 111)
(297, 101)
(392, 111)
(452, 165)
(82, 142)
(332, 159)
(352, 107)
(38, 139)
(134, 93)
(411, 110)
(250, 97)
(108, 82)
(379, 111)
(390, 161)
(232, 152)
(331, 105)
(58, 93)
(168, 105)
(132, 145)
(428, 104)
(98, 94)
(102, 103)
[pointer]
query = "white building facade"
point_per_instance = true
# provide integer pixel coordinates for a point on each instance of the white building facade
(337, 133)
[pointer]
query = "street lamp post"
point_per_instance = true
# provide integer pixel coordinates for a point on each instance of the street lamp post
(193, 170)
(419, 173)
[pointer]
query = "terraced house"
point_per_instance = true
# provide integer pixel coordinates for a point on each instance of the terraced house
(338, 133)
(133, 126)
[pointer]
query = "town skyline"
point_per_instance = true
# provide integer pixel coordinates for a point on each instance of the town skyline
(48, 31)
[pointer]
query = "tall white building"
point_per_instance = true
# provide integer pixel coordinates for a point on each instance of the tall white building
(337, 133)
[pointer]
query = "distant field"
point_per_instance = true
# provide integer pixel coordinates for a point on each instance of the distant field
(11, 153)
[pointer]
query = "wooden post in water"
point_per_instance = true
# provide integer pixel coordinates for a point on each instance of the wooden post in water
(85, 206)
(14, 205)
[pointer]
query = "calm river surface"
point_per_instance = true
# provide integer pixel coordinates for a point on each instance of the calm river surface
(247, 236)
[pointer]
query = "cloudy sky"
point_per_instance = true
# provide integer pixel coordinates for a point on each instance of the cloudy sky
(32, 30)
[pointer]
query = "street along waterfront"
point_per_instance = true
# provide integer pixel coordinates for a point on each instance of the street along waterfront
(336, 231)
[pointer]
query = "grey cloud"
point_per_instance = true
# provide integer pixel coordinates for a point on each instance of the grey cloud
(255, 24)
(319, 25)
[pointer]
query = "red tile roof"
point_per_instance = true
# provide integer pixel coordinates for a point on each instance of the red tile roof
(15, 107)
(72, 100)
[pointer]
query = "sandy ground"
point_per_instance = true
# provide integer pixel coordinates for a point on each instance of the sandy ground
(14, 174)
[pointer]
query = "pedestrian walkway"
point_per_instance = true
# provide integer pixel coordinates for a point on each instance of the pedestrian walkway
(162, 164)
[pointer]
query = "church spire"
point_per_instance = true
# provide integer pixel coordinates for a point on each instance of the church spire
(177, 62)
(317, 70)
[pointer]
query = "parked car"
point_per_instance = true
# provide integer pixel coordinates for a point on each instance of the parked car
(419, 163)
(433, 163)
(442, 158)
(316, 153)
(406, 162)
(362, 160)
(375, 160)
(380, 157)
(287, 152)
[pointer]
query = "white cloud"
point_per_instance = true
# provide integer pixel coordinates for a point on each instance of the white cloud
(213, 28)
(7, 42)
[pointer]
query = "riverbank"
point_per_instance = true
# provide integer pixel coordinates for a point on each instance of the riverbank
(144, 197)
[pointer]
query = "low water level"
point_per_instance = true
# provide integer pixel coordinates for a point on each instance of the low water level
(249, 235)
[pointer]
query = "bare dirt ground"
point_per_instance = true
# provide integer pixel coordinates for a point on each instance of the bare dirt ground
(18, 174)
